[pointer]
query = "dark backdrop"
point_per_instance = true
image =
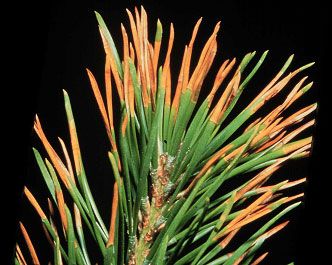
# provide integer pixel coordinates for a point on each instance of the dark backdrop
(57, 40)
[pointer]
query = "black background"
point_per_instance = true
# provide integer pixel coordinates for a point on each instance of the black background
(56, 41)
